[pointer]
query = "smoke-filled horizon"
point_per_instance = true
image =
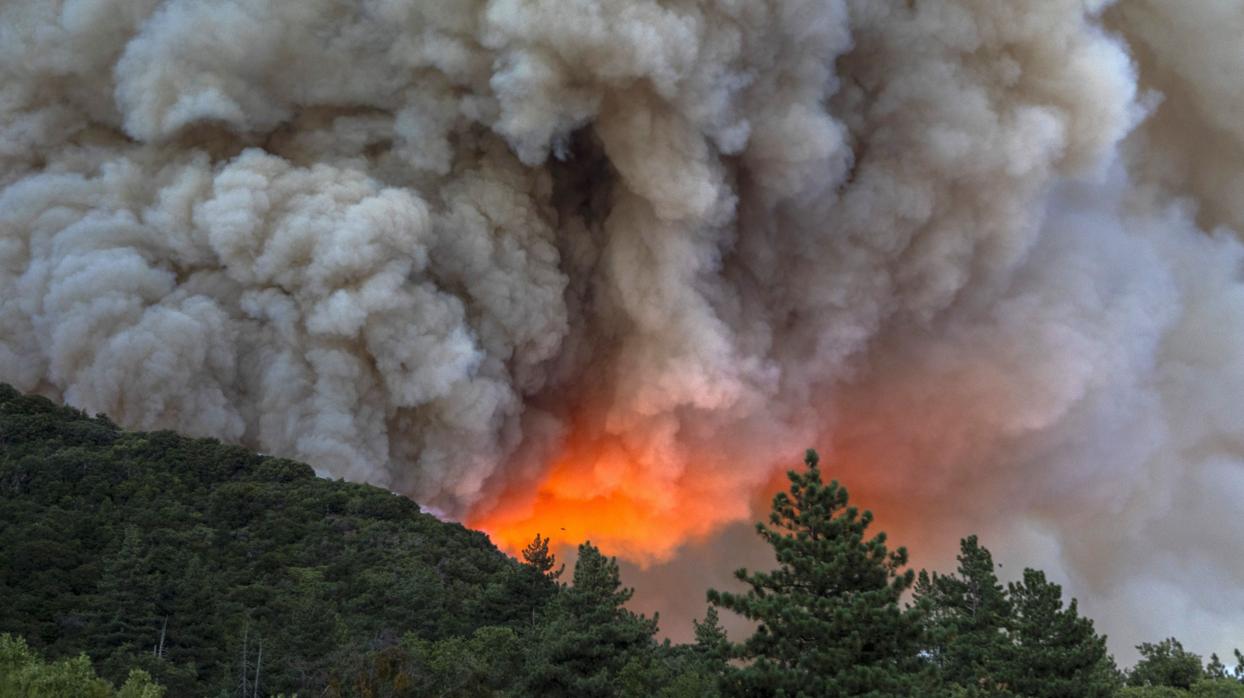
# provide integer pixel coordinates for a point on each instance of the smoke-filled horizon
(602, 269)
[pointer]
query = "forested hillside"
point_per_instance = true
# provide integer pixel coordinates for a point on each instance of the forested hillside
(116, 543)
(215, 571)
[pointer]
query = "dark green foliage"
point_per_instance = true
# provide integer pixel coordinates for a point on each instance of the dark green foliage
(537, 582)
(711, 642)
(668, 672)
(107, 536)
(1166, 663)
(677, 671)
(589, 637)
(1057, 652)
(968, 614)
(1167, 670)
(24, 674)
(984, 640)
(1151, 692)
(1217, 688)
(586, 644)
(1205, 688)
(539, 562)
(487, 663)
(830, 623)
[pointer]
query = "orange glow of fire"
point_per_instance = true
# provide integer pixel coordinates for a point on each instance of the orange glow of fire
(634, 507)
(642, 507)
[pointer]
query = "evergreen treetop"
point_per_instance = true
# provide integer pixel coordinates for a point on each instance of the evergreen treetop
(830, 622)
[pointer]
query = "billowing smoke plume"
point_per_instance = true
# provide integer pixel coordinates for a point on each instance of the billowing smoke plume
(601, 266)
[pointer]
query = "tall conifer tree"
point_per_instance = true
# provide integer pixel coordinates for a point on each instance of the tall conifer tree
(1057, 653)
(589, 636)
(968, 614)
(830, 621)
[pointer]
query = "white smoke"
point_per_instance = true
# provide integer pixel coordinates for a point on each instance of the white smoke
(989, 250)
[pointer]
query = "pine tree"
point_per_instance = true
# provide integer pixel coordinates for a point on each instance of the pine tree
(194, 615)
(967, 618)
(1057, 653)
(526, 593)
(711, 642)
(830, 623)
(128, 586)
(538, 559)
(539, 575)
(589, 635)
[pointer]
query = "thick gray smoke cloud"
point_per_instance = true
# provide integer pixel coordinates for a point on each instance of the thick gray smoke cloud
(985, 253)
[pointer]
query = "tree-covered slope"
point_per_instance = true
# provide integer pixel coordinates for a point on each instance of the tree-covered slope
(137, 546)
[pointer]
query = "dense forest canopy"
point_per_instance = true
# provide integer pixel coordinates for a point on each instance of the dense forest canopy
(137, 564)
(114, 542)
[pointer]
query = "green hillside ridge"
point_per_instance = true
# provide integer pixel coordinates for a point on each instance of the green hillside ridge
(154, 562)
(105, 534)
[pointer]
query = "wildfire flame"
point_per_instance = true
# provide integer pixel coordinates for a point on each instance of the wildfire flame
(629, 505)
(643, 508)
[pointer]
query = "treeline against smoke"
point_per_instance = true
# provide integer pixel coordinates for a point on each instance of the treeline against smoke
(160, 563)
